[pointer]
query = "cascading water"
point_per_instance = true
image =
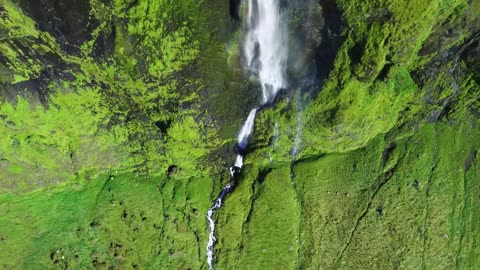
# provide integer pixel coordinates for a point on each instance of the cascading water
(265, 52)
(247, 128)
(266, 48)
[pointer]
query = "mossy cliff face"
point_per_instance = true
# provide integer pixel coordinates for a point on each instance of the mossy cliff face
(106, 149)
(118, 121)
(383, 168)
(106, 85)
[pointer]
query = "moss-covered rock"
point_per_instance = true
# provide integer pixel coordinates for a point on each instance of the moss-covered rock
(118, 122)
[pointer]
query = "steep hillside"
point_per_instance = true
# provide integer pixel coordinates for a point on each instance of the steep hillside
(118, 123)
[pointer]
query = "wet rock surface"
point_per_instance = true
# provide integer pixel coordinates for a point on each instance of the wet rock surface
(69, 22)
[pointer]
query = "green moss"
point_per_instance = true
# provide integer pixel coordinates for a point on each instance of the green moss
(15, 26)
(114, 221)
(167, 45)
(374, 54)
(370, 87)
(363, 110)
(154, 91)
(232, 218)
(117, 104)
(416, 210)
(62, 139)
(272, 227)
(185, 146)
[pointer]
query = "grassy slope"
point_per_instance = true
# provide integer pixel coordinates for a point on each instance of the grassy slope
(368, 204)
(405, 204)
(122, 221)
(72, 113)
(400, 227)
(396, 64)
(397, 119)
(358, 210)
(263, 219)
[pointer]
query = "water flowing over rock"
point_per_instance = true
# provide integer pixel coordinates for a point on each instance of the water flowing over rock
(246, 130)
(211, 222)
(266, 53)
(133, 132)
(265, 48)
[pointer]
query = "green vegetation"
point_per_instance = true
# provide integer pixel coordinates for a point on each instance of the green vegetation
(18, 67)
(118, 122)
(270, 230)
(386, 176)
(371, 89)
(121, 111)
(391, 204)
(58, 141)
(112, 221)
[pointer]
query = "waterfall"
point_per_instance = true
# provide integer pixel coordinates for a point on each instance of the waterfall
(265, 51)
(265, 48)
(247, 128)
(211, 224)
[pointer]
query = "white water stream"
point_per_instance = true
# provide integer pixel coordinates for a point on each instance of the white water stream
(265, 51)
(266, 48)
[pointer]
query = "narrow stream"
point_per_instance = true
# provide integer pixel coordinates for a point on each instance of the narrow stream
(265, 50)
